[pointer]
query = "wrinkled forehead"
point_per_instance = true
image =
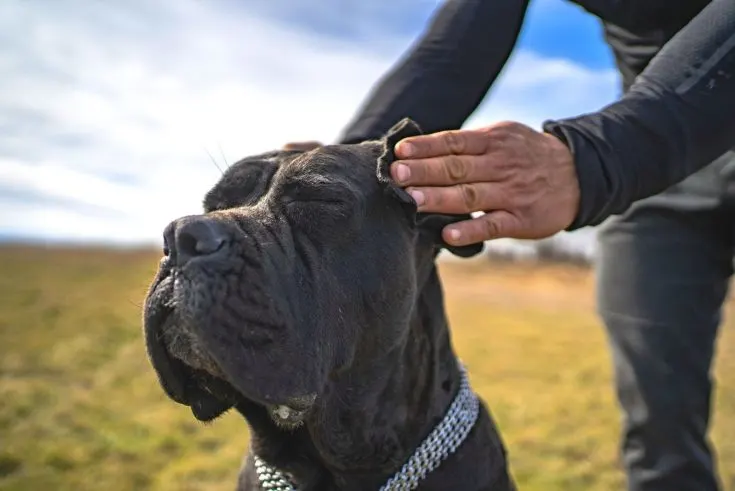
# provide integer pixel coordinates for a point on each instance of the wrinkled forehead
(344, 168)
(353, 166)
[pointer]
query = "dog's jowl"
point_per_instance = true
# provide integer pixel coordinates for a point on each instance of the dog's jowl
(306, 297)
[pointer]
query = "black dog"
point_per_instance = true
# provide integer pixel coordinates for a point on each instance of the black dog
(307, 298)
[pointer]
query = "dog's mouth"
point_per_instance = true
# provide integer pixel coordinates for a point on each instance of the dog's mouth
(191, 376)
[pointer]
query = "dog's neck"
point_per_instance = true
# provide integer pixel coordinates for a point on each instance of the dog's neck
(372, 418)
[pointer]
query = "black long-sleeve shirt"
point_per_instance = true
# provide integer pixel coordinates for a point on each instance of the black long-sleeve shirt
(676, 116)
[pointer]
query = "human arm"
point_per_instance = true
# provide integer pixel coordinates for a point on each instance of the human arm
(677, 117)
(446, 73)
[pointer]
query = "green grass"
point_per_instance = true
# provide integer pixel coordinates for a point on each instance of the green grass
(80, 407)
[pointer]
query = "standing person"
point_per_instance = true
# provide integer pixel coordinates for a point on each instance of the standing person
(666, 260)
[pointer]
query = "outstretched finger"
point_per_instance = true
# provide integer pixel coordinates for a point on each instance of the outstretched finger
(493, 225)
(451, 142)
(461, 198)
(443, 171)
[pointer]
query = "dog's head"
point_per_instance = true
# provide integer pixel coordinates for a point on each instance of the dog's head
(303, 264)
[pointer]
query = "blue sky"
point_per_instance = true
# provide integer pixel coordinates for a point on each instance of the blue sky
(108, 109)
(558, 28)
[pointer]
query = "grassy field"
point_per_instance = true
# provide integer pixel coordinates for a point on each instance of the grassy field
(80, 408)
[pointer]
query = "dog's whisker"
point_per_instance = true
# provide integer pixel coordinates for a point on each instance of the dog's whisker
(222, 153)
(214, 162)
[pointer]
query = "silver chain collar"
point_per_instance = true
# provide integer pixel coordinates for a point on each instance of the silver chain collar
(446, 437)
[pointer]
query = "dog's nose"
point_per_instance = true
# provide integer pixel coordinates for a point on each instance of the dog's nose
(194, 236)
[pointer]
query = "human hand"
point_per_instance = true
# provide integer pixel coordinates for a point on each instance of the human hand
(525, 181)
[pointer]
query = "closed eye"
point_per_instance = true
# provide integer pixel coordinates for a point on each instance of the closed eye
(316, 212)
(320, 198)
(333, 206)
(326, 201)
(318, 188)
(328, 197)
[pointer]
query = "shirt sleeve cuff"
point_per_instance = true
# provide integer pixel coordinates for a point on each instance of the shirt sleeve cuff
(596, 188)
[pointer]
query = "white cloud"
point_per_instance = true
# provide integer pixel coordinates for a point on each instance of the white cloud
(107, 110)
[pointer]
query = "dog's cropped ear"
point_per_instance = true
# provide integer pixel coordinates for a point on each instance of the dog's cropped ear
(403, 129)
(429, 224)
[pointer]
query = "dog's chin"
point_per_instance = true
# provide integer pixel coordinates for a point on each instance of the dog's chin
(208, 408)
(207, 396)
(192, 377)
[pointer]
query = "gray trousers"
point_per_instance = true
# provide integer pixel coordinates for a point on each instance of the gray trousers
(663, 276)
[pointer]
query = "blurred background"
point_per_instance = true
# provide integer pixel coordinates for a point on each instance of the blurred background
(116, 117)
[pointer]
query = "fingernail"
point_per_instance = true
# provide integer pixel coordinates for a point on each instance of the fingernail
(405, 149)
(418, 197)
(454, 234)
(403, 172)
